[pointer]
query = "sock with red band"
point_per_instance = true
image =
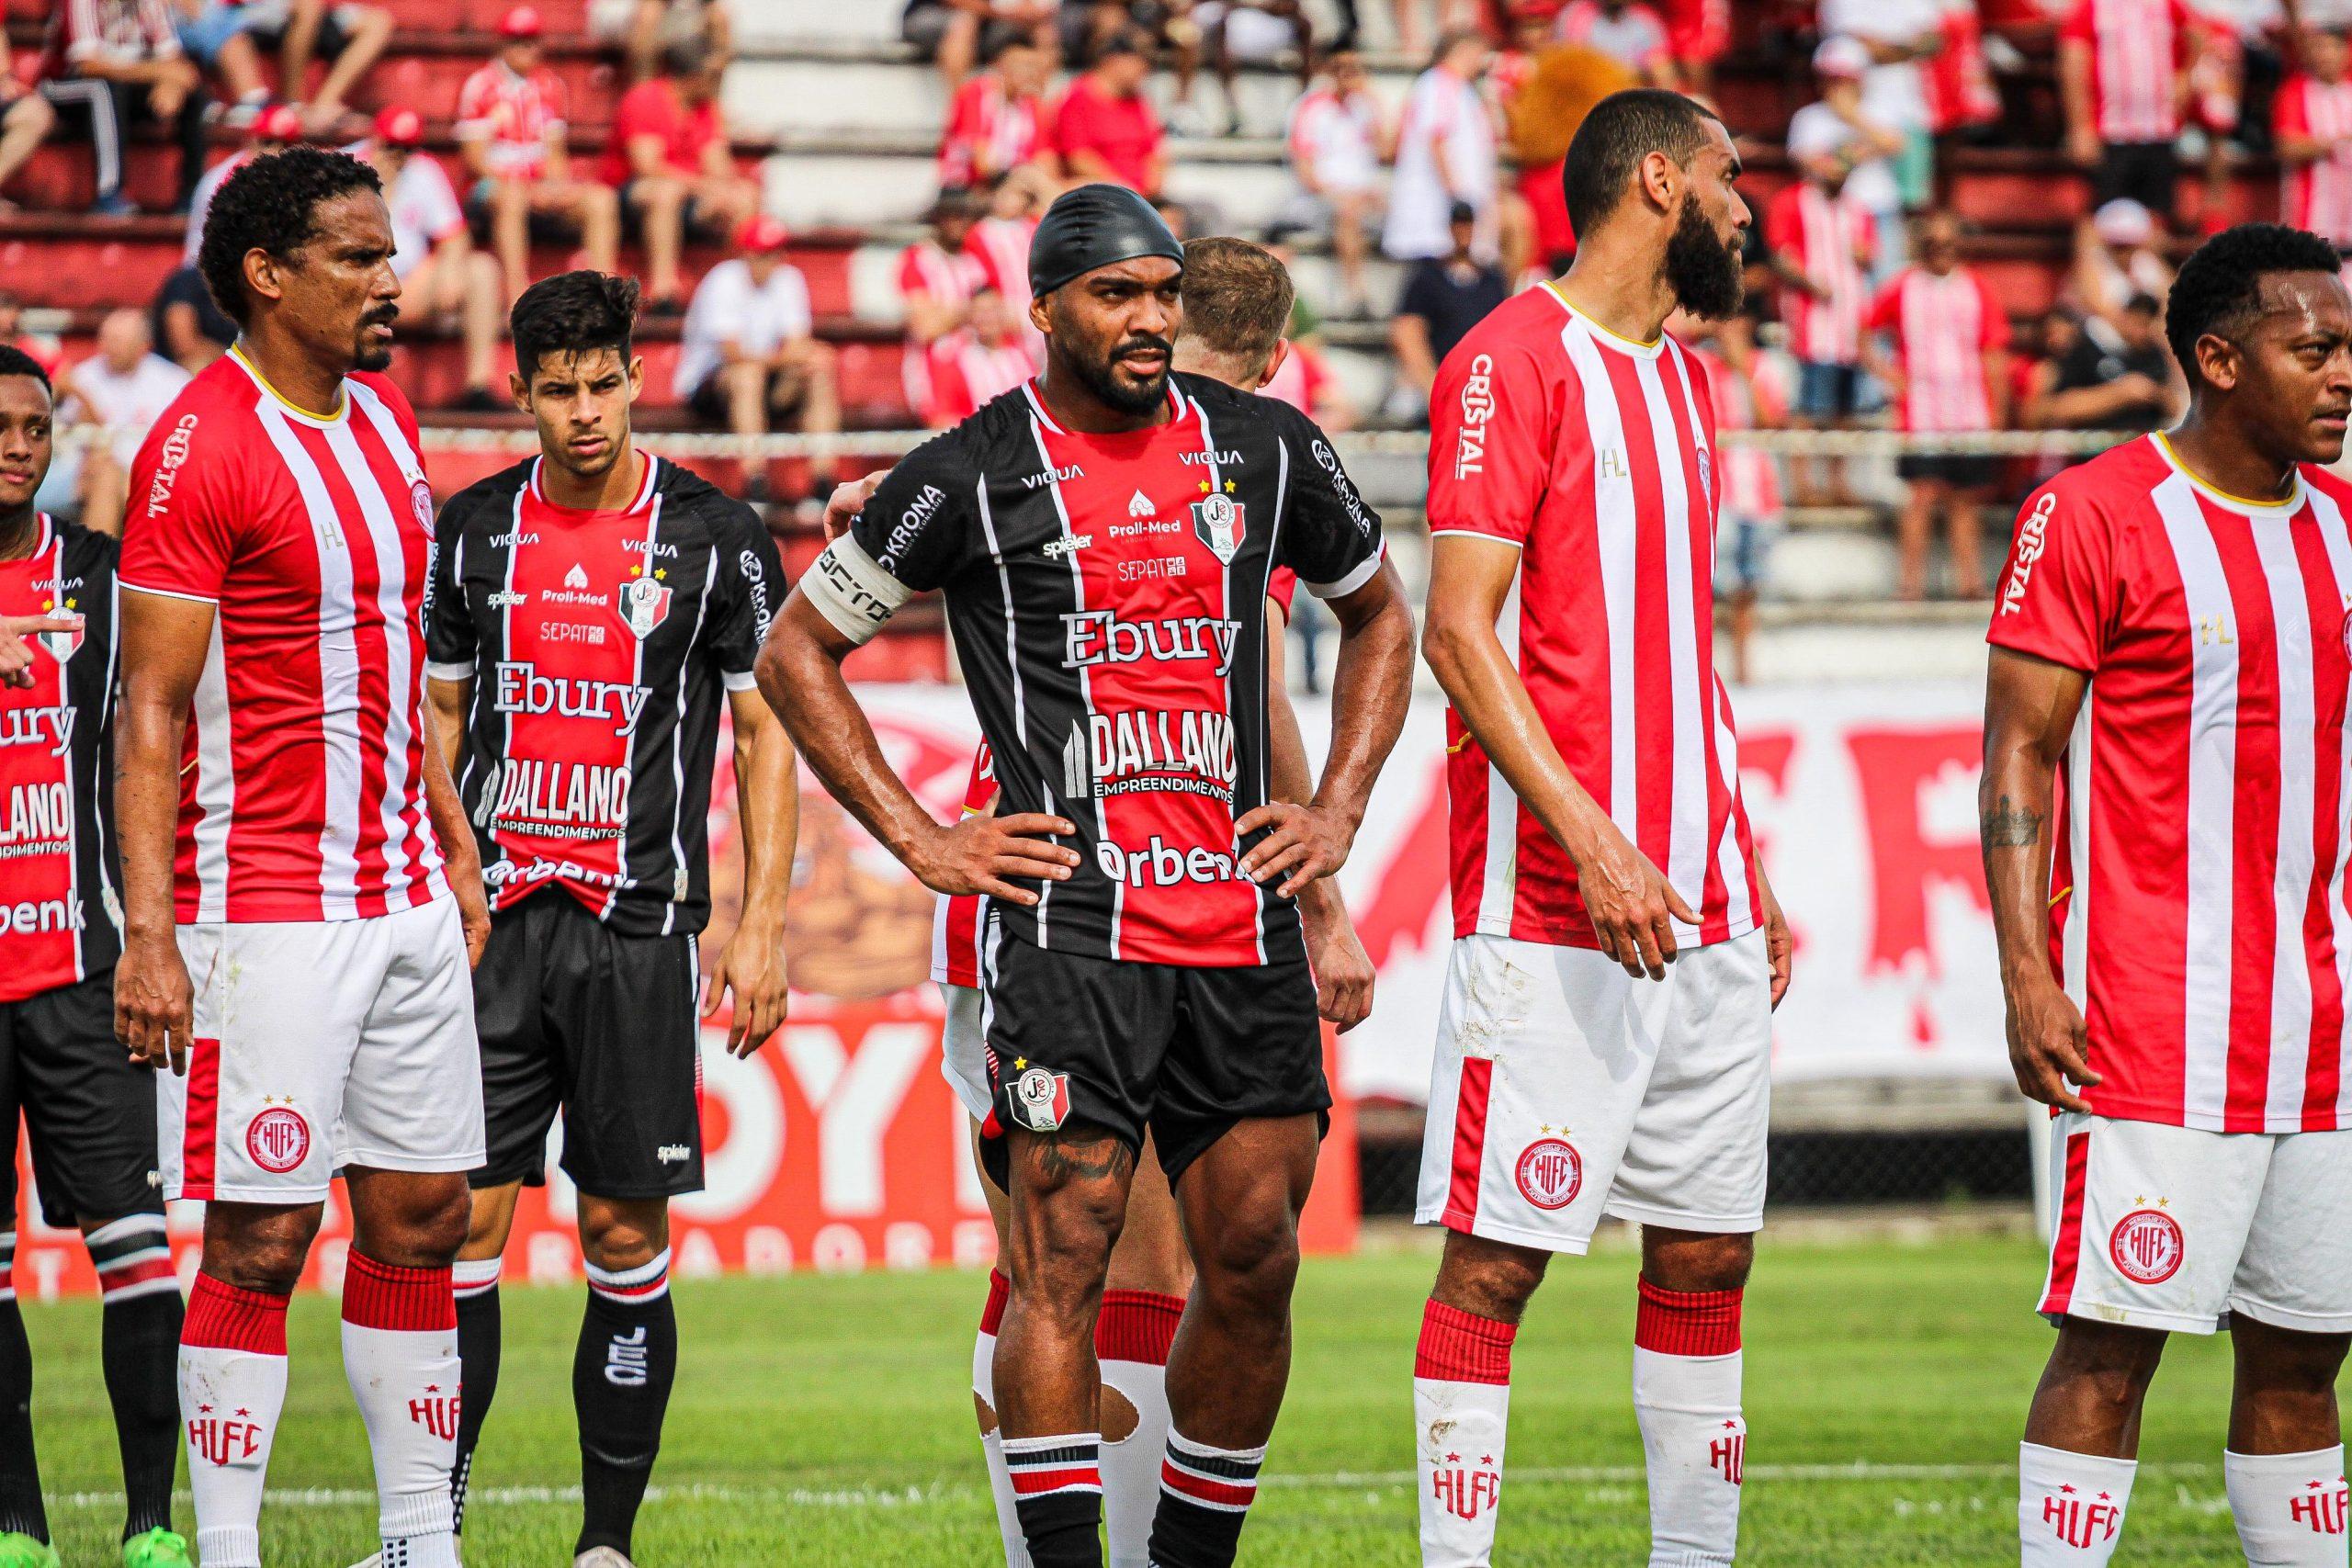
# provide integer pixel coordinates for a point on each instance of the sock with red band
(474, 1281)
(1008, 1517)
(140, 1352)
(232, 1388)
(1057, 1488)
(20, 1504)
(1204, 1497)
(621, 1374)
(1461, 1405)
(1131, 1339)
(1694, 1440)
(400, 1351)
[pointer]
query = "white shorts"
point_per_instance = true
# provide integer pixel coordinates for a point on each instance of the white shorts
(320, 1044)
(2176, 1227)
(1565, 1089)
(963, 1047)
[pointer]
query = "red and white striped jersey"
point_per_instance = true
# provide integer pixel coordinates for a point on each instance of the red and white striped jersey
(2138, 47)
(925, 271)
(1635, 38)
(514, 114)
(303, 787)
(2317, 196)
(1830, 239)
(965, 373)
(1943, 327)
(1595, 455)
(120, 31)
(1000, 247)
(988, 130)
(1337, 137)
(1750, 477)
(2198, 916)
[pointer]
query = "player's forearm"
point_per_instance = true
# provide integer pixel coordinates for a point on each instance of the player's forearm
(448, 699)
(448, 815)
(148, 738)
(1372, 684)
(2013, 813)
(801, 679)
(2075, 85)
(768, 797)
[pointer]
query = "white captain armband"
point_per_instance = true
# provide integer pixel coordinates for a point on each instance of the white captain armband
(851, 591)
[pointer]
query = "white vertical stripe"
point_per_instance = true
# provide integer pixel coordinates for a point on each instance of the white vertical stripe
(216, 780)
(339, 762)
(1685, 844)
(1498, 891)
(1616, 531)
(678, 729)
(407, 685)
(53, 572)
(1085, 686)
(2329, 519)
(2075, 946)
(105, 716)
(2213, 788)
(400, 650)
(2290, 884)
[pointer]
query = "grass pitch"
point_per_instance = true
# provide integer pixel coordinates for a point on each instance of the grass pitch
(823, 1421)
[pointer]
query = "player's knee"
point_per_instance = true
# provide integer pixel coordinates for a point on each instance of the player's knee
(2283, 1360)
(622, 1235)
(2106, 1362)
(1685, 1261)
(1251, 1262)
(420, 1223)
(1490, 1279)
(262, 1253)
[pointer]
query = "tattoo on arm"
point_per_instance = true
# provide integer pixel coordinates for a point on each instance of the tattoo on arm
(2008, 827)
(1082, 1155)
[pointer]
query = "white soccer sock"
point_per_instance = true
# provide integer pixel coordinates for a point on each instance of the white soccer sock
(1461, 1408)
(1008, 1519)
(232, 1386)
(1132, 1335)
(2069, 1506)
(400, 1351)
(1687, 1369)
(2289, 1508)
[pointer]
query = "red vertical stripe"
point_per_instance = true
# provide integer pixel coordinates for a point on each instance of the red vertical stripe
(2324, 597)
(200, 1134)
(1686, 388)
(2066, 1245)
(1468, 781)
(1654, 714)
(367, 635)
(1469, 1142)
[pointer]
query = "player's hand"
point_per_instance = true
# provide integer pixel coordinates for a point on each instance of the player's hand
(1632, 906)
(1779, 946)
(980, 855)
(462, 869)
(2048, 1047)
(1342, 969)
(154, 1007)
(1308, 842)
(751, 967)
(16, 645)
(2083, 147)
(847, 501)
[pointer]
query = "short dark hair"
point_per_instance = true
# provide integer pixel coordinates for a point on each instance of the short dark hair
(15, 361)
(2220, 286)
(1624, 129)
(271, 204)
(1236, 298)
(686, 56)
(572, 312)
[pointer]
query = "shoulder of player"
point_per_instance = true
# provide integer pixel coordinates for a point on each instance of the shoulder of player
(687, 495)
(86, 550)
(2105, 491)
(2330, 484)
(1518, 339)
(489, 501)
(210, 424)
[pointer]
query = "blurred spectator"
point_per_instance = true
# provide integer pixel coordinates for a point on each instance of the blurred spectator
(191, 329)
(1631, 35)
(996, 122)
(218, 35)
(976, 363)
(511, 133)
(668, 157)
(999, 243)
(2113, 377)
(41, 348)
(1453, 15)
(2313, 136)
(1445, 155)
(1837, 134)
(1822, 241)
(643, 29)
(1260, 32)
(121, 390)
(2115, 258)
(1106, 129)
(1748, 393)
(1698, 34)
(1949, 374)
(26, 120)
(350, 36)
(1336, 138)
(1900, 35)
(956, 33)
(1444, 297)
(750, 353)
(1961, 97)
(443, 277)
(2123, 76)
(1544, 90)
(276, 129)
(118, 63)
(937, 279)
(1302, 378)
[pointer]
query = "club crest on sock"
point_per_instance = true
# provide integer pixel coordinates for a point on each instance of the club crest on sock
(2078, 1519)
(2322, 1506)
(1466, 1487)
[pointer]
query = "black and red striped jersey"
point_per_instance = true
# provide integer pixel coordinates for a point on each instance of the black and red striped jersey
(1107, 598)
(598, 645)
(59, 910)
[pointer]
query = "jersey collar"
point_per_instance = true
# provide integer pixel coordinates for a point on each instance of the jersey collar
(295, 410)
(636, 502)
(1179, 406)
(1608, 339)
(2244, 506)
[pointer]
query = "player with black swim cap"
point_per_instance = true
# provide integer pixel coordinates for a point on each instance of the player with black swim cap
(1105, 536)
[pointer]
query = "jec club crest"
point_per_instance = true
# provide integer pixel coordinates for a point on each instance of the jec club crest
(644, 602)
(1218, 519)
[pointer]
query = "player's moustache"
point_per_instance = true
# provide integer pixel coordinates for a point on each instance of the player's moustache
(1143, 341)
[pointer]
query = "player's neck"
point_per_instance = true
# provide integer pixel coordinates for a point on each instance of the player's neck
(1076, 408)
(611, 491)
(2224, 460)
(18, 529)
(291, 374)
(1619, 288)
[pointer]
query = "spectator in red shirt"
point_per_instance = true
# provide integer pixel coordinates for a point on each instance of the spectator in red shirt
(977, 363)
(1698, 32)
(120, 61)
(955, 33)
(2123, 72)
(996, 122)
(670, 160)
(510, 133)
(1105, 128)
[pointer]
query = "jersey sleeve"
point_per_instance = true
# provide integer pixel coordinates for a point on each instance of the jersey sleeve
(1887, 310)
(914, 535)
(1491, 437)
(1782, 227)
(1281, 587)
(1330, 537)
(473, 107)
(2290, 110)
(748, 572)
(2059, 592)
(450, 644)
(1995, 320)
(187, 511)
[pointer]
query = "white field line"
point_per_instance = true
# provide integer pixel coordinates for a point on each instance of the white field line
(904, 1497)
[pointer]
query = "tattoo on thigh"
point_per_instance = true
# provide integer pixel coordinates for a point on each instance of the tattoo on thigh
(1082, 1155)
(2010, 828)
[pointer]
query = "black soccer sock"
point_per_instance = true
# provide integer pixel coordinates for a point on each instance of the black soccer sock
(139, 1349)
(1057, 1491)
(474, 1281)
(20, 1508)
(620, 1388)
(1204, 1496)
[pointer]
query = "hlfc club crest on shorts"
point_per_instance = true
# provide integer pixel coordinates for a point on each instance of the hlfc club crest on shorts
(1040, 1100)
(278, 1139)
(2147, 1246)
(643, 604)
(1218, 519)
(1550, 1173)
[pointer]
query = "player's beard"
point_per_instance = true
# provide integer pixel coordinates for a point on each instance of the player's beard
(367, 354)
(1701, 270)
(1135, 398)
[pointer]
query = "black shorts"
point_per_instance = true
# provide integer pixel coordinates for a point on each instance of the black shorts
(91, 1112)
(572, 1015)
(2146, 171)
(787, 390)
(1184, 1051)
(1962, 470)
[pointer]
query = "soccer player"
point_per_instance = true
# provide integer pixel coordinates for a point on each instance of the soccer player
(91, 1111)
(300, 894)
(1104, 537)
(2170, 638)
(1605, 1039)
(593, 608)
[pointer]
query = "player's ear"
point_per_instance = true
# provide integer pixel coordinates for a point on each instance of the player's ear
(1039, 316)
(1275, 360)
(263, 274)
(1661, 180)
(519, 388)
(2217, 361)
(636, 375)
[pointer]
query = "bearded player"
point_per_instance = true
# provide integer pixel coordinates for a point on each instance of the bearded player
(1104, 537)
(593, 608)
(1237, 301)
(1606, 1035)
(300, 893)
(2171, 640)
